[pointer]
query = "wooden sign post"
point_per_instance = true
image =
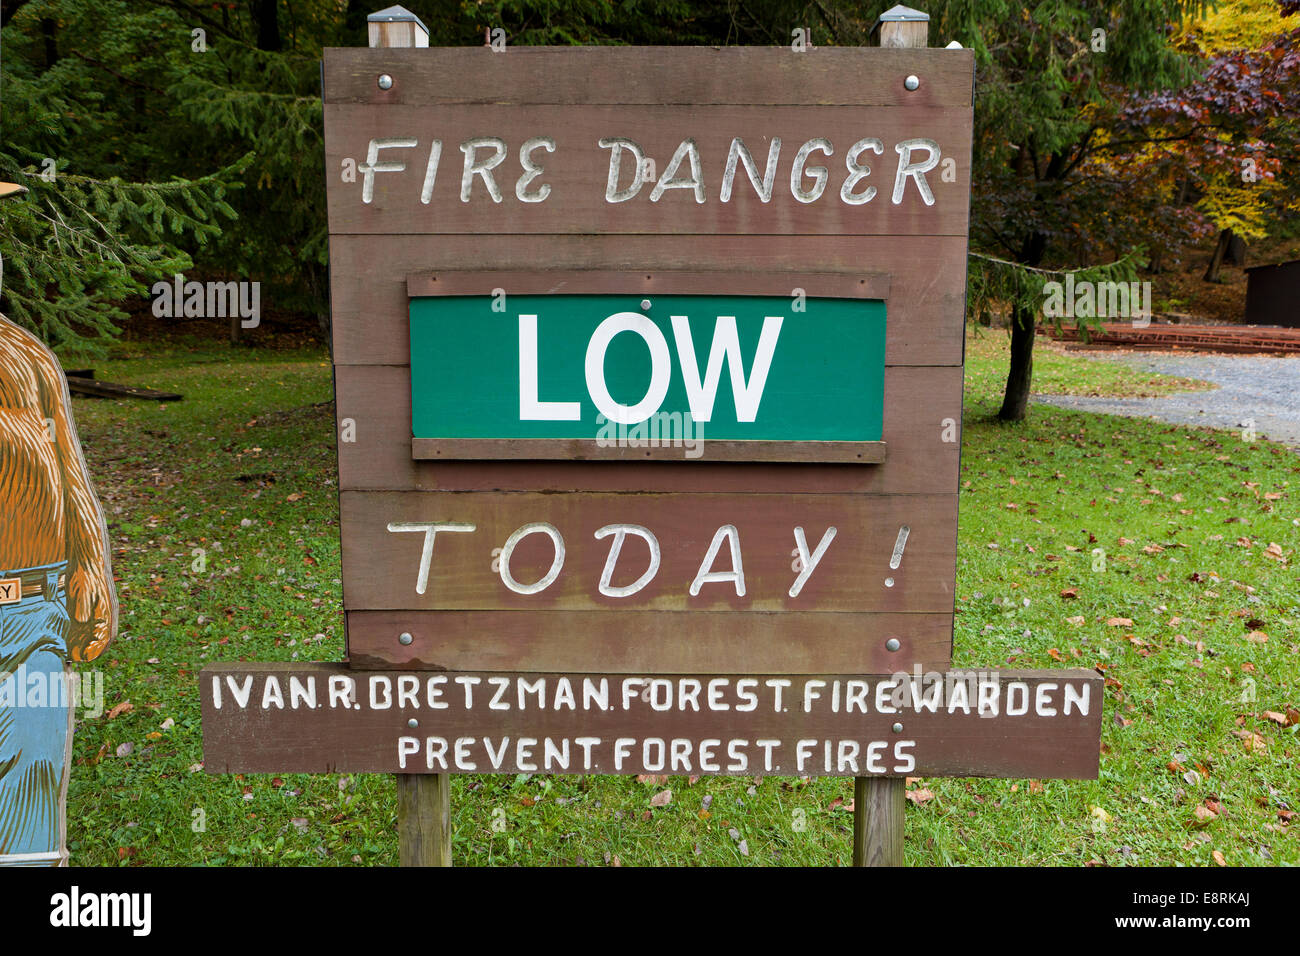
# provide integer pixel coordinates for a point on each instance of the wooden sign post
(648, 366)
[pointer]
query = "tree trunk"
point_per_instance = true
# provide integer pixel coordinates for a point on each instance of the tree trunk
(266, 13)
(10, 8)
(1236, 254)
(1216, 260)
(48, 30)
(1015, 402)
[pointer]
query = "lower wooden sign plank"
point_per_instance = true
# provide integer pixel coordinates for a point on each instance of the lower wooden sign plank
(705, 642)
(324, 718)
(593, 449)
(626, 552)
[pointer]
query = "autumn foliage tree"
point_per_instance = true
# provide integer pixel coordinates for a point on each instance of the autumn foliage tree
(1046, 106)
(1221, 144)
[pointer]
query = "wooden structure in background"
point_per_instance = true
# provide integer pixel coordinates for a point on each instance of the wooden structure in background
(1273, 295)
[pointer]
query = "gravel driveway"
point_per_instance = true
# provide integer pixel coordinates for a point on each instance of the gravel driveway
(1263, 388)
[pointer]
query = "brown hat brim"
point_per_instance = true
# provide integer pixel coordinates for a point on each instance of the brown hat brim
(11, 189)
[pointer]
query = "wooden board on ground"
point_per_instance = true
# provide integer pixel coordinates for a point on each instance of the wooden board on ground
(102, 389)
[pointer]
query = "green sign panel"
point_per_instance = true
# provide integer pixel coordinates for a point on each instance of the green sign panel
(614, 368)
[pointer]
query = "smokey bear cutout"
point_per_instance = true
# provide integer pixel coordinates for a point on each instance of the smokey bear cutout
(57, 602)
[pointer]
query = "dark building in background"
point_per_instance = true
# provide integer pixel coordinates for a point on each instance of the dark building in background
(1273, 295)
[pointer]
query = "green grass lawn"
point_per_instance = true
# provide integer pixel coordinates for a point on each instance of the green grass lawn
(224, 523)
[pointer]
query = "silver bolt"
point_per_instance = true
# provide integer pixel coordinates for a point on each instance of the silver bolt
(404, 638)
(889, 582)
(645, 305)
(413, 723)
(386, 82)
(892, 644)
(912, 82)
(898, 728)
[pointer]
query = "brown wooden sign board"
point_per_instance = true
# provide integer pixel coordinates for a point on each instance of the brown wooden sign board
(445, 223)
(326, 718)
(477, 560)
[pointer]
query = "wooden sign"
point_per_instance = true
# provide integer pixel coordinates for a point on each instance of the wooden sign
(644, 374)
(648, 367)
(318, 718)
(520, 335)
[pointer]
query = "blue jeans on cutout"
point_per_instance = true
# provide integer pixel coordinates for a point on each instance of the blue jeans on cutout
(34, 740)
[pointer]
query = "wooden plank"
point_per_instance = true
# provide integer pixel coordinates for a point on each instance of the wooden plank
(375, 449)
(573, 192)
(878, 804)
(424, 819)
(304, 718)
(381, 567)
(927, 292)
(867, 285)
(706, 642)
(101, 389)
(577, 449)
(650, 76)
(822, 383)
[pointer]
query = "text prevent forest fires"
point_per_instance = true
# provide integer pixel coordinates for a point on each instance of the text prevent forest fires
(626, 724)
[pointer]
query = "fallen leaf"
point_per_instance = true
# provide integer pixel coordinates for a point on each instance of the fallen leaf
(1070, 594)
(1257, 637)
(656, 779)
(1078, 620)
(125, 749)
(920, 795)
(119, 709)
(1251, 740)
(1274, 716)
(662, 798)
(1218, 858)
(296, 496)
(1119, 622)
